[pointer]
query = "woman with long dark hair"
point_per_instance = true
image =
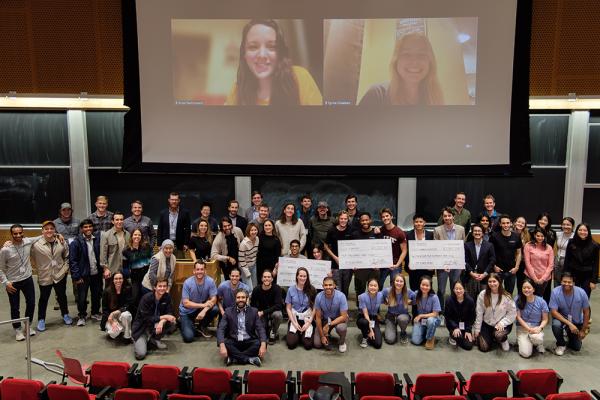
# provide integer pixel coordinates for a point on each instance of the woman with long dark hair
(266, 75)
(560, 248)
(426, 313)
(544, 222)
(116, 308)
(288, 227)
(299, 305)
(369, 303)
(201, 242)
(460, 316)
(495, 314)
(581, 258)
(532, 317)
(539, 262)
(269, 250)
(136, 261)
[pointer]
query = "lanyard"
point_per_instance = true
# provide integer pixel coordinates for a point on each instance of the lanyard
(330, 304)
(422, 310)
(372, 311)
(301, 297)
(569, 306)
(527, 307)
(21, 256)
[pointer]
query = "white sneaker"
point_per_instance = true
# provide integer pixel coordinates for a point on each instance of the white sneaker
(81, 321)
(31, 331)
(541, 349)
(343, 347)
(19, 335)
(442, 320)
(363, 343)
(452, 341)
(560, 350)
(505, 345)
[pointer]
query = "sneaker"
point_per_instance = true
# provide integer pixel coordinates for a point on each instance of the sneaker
(560, 350)
(541, 349)
(505, 345)
(255, 361)
(364, 343)
(31, 331)
(68, 320)
(97, 317)
(272, 336)
(41, 326)
(430, 344)
(81, 321)
(343, 347)
(403, 338)
(204, 332)
(442, 320)
(19, 335)
(452, 341)
(158, 344)
(228, 361)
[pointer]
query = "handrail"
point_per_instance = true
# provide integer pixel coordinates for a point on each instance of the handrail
(27, 340)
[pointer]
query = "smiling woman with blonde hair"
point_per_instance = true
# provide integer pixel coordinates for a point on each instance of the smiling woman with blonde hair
(413, 75)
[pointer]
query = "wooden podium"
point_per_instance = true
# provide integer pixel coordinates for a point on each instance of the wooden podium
(185, 269)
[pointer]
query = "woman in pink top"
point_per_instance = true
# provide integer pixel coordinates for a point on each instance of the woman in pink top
(539, 261)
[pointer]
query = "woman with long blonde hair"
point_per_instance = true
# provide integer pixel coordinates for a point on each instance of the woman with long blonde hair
(413, 75)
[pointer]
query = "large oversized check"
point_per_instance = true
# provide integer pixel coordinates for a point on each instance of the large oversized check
(436, 254)
(365, 253)
(317, 270)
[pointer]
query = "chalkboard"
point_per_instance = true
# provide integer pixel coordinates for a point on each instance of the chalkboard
(153, 190)
(30, 196)
(373, 193)
(593, 161)
(34, 138)
(591, 211)
(548, 135)
(105, 138)
(527, 196)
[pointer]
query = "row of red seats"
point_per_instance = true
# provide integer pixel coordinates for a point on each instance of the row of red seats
(155, 381)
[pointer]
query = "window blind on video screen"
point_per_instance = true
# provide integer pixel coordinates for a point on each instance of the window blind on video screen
(387, 82)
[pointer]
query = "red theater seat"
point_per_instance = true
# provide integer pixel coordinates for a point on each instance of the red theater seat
(529, 382)
(375, 384)
(64, 392)
(488, 385)
(258, 396)
(214, 381)
(162, 377)
(20, 389)
(136, 394)
(430, 385)
(116, 375)
(269, 382)
(569, 396)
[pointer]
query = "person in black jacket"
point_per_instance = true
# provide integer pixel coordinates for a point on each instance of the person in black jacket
(154, 318)
(417, 233)
(174, 223)
(459, 311)
(85, 272)
(581, 258)
(245, 344)
(116, 307)
(480, 259)
(268, 300)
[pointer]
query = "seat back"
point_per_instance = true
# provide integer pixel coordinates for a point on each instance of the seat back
(113, 374)
(569, 396)
(211, 381)
(63, 392)
(160, 377)
(434, 384)
(489, 383)
(266, 381)
(444, 397)
(513, 398)
(73, 369)
(310, 380)
(20, 389)
(374, 384)
(178, 396)
(136, 394)
(381, 398)
(540, 381)
(258, 396)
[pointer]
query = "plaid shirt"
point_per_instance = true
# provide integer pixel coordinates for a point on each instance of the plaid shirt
(102, 224)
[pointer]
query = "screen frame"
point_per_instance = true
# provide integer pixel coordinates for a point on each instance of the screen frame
(519, 150)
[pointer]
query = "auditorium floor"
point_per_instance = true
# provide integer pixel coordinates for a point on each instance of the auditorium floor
(89, 344)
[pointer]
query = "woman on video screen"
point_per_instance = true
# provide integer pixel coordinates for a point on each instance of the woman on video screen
(266, 75)
(413, 72)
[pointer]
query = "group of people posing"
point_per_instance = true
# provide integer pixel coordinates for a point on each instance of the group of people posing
(111, 258)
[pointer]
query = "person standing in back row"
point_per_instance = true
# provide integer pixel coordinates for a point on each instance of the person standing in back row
(462, 216)
(448, 231)
(507, 248)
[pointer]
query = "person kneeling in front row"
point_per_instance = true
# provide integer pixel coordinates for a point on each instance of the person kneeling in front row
(331, 312)
(116, 308)
(426, 310)
(241, 335)
(197, 307)
(153, 320)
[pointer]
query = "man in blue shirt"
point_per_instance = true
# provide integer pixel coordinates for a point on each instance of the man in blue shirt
(227, 289)
(198, 303)
(570, 309)
(331, 312)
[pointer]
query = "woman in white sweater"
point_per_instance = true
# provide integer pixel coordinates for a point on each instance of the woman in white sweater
(247, 255)
(288, 227)
(495, 314)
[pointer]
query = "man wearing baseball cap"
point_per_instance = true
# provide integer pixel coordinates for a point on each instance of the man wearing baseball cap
(51, 256)
(65, 224)
(320, 224)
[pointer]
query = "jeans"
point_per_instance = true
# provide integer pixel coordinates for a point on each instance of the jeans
(188, 322)
(60, 289)
(341, 329)
(272, 321)
(363, 325)
(94, 284)
(384, 273)
(140, 346)
(559, 330)
(391, 321)
(342, 278)
(442, 281)
(421, 332)
(240, 351)
(527, 340)
(508, 281)
(26, 286)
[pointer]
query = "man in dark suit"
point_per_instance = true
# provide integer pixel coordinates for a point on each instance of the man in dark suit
(241, 335)
(233, 206)
(174, 223)
(480, 259)
(417, 233)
